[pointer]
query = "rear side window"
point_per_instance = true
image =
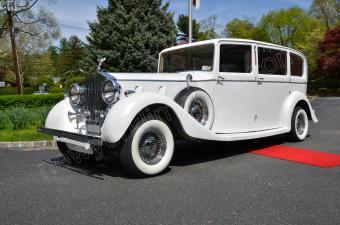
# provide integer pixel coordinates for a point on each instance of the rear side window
(272, 61)
(235, 58)
(296, 65)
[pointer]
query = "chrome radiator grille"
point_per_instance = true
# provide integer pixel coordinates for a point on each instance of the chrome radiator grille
(93, 103)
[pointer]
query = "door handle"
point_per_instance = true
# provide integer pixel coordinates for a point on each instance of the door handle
(260, 80)
(220, 79)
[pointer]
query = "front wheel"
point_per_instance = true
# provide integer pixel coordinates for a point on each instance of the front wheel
(299, 125)
(148, 149)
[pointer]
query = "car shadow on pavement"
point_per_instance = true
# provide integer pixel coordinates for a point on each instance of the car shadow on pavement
(108, 166)
(186, 154)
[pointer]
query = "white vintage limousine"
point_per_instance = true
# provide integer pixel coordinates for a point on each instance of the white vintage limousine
(222, 90)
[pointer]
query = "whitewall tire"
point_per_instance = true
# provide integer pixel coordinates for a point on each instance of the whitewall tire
(299, 124)
(148, 148)
(199, 105)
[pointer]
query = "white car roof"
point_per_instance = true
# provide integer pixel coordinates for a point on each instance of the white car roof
(216, 41)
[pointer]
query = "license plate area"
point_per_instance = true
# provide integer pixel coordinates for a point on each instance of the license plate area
(93, 129)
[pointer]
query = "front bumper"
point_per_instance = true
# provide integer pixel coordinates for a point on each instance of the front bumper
(72, 136)
(77, 142)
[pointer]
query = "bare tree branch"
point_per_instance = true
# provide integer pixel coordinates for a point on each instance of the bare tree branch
(30, 22)
(28, 6)
(27, 32)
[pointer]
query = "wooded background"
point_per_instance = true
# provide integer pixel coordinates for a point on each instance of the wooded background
(131, 33)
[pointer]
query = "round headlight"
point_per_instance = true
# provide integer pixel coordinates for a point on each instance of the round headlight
(75, 94)
(111, 92)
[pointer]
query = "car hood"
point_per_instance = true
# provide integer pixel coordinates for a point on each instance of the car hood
(168, 83)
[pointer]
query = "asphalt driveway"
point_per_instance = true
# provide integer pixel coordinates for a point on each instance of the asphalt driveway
(207, 183)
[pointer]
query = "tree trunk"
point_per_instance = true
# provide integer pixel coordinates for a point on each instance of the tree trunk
(15, 53)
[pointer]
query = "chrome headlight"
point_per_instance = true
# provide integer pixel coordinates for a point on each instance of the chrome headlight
(75, 94)
(110, 92)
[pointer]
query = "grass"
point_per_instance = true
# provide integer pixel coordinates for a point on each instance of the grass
(20, 124)
(23, 135)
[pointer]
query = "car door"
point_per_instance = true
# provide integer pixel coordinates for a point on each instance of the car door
(234, 93)
(272, 87)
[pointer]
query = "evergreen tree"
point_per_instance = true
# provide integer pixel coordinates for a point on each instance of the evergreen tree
(68, 55)
(183, 28)
(130, 34)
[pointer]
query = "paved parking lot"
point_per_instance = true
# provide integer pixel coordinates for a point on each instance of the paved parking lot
(207, 183)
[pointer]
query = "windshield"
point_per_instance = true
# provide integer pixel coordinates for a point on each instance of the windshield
(197, 58)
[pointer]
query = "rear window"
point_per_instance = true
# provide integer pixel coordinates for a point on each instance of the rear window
(272, 61)
(296, 65)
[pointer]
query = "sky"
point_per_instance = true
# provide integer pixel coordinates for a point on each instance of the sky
(72, 15)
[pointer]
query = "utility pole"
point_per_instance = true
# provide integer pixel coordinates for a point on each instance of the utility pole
(190, 21)
(12, 8)
(192, 3)
(14, 51)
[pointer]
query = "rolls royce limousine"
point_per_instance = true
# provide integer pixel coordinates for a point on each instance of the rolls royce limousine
(221, 90)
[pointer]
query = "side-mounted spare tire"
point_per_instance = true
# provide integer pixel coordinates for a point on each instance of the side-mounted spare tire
(198, 104)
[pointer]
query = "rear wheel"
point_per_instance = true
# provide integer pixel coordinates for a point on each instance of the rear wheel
(148, 149)
(199, 105)
(299, 124)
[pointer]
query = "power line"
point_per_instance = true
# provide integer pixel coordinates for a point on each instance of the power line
(73, 27)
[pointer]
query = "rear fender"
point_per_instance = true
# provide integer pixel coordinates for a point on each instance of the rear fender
(291, 102)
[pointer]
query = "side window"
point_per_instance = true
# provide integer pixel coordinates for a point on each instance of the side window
(235, 58)
(272, 61)
(296, 65)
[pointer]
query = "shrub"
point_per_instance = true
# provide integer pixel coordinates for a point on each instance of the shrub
(323, 91)
(5, 121)
(13, 90)
(28, 90)
(23, 118)
(29, 101)
(55, 90)
(8, 91)
(41, 115)
(72, 80)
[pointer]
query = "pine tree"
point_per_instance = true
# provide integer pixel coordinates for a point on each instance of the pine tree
(130, 34)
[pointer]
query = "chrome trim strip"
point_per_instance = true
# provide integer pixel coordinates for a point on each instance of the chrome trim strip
(223, 81)
(246, 132)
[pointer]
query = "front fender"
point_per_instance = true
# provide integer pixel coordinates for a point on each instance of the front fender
(58, 118)
(290, 104)
(124, 111)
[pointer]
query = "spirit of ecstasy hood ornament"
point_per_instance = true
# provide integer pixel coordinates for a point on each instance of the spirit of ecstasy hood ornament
(100, 62)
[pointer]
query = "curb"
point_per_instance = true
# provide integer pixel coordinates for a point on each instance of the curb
(29, 146)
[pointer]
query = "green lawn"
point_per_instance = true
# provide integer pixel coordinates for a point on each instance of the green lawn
(23, 135)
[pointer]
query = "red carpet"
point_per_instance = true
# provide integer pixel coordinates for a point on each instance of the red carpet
(299, 155)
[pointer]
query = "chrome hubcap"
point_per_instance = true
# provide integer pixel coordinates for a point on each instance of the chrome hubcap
(300, 124)
(152, 147)
(199, 110)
